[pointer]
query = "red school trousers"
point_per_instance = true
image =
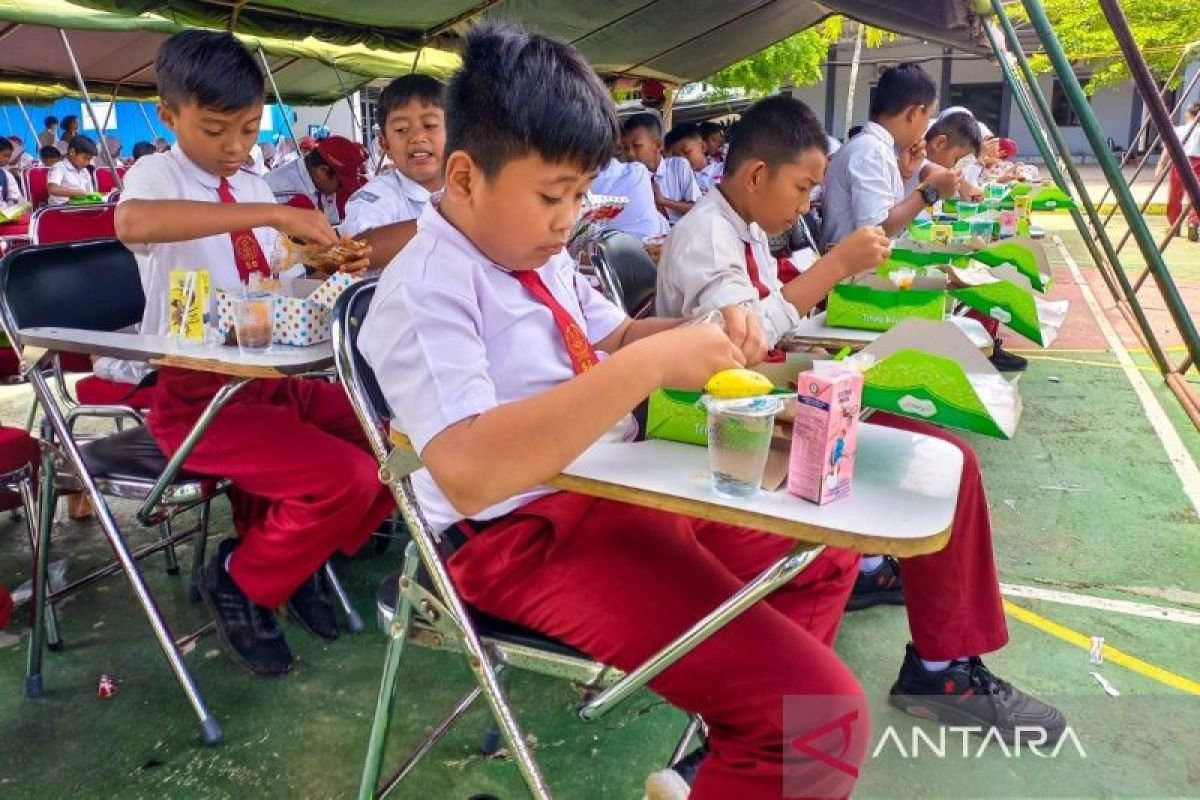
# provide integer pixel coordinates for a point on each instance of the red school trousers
(618, 582)
(304, 482)
(953, 596)
(1176, 195)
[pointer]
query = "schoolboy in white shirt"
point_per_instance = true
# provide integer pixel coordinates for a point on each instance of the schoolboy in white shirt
(631, 180)
(383, 213)
(673, 180)
(489, 347)
(72, 177)
(304, 483)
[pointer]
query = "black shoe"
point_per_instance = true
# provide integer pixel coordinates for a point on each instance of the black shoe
(311, 607)
(1005, 361)
(968, 694)
(248, 632)
(1193, 234)
(689, 765)
(880, 586)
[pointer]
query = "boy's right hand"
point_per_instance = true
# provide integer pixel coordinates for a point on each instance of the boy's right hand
(862, 251)
(945, 181)
(306, 224)
(687, 356)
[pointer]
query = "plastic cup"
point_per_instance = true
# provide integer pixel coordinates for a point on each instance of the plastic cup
(739, 439)
(967, 209)
(252, 319)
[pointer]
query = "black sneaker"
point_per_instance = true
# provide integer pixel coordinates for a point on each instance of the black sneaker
(311, 607)
(1005, 361)
(689, 765)
(968, 694)
(248, 632)
(877, 587)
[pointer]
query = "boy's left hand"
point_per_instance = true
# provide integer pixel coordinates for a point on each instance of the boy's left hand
(745, 332)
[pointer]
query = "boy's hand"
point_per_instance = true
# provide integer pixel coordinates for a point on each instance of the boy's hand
(991, 148)
(969, 191)
(309, 226)
(862, 251)
(659, 199)
(910, 160)
(745, 331)
(945, 181)
(686, 357)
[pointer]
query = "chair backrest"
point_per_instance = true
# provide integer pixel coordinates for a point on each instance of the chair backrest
(59, 224)
(621, 262)
(105, 182)
(91, 286)
(353, 370)
(36, 182)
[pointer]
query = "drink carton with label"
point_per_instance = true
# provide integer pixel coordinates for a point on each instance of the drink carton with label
(825, 434)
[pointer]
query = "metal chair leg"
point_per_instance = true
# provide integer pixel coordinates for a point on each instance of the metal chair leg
(164, 533)
(353, 620)
(397, 636)
(199, 549)
(695, 725)
(31, 417)
(41, 560)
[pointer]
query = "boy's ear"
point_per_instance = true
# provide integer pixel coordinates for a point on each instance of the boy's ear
(461, 174)
(166, 115)
(756, 175)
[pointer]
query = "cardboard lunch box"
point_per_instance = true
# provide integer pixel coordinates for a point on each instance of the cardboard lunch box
(302, 311)
(875, 303)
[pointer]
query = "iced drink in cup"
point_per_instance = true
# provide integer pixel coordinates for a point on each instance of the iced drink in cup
(739, 439)
(253, 317)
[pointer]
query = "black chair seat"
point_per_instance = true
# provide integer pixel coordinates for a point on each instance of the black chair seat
(131, 455)
(487, 626)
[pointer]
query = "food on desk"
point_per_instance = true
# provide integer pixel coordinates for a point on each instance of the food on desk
(739, 441)
(903, 278)
(325, 259)
(731, 384)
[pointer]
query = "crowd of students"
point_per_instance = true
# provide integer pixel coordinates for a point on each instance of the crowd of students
(502, 365)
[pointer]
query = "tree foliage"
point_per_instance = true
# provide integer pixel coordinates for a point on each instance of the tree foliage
(795, 60)
(1161, 28)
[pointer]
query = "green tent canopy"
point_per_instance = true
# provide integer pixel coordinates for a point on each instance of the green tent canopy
(673, 40)
(116, 54)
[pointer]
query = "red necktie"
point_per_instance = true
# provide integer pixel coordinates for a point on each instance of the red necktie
(752, 269)
(247, 253)
(583, 355)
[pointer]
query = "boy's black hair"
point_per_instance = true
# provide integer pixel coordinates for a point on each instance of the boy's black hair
(902, 86)
(1194, 109)
(49, 151)
(314, 159)
(403, 90)
(684, 130)
(6, 144)
(960, 129)
(519, 93)
(649, 122)
(48, 121)
(82, 144)
(855, 131)
(69, 120)
(209, 68)
(775, 130)
(707, 129)
(143, 149)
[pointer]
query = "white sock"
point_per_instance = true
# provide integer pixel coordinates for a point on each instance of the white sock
(228, 557)
(870, 563)
(935, 666)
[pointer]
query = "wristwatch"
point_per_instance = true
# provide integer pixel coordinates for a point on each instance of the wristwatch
(928, 193)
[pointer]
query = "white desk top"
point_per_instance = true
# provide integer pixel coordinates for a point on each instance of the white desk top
(902, 501)
(167, 351)
(813, 330)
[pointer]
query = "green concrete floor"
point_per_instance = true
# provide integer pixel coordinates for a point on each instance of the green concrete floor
(1127, 532)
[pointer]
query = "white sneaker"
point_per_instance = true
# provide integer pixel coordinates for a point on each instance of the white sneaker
(666, 784)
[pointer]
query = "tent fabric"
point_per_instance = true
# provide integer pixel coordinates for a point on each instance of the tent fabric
(117, 52)
(672, 40)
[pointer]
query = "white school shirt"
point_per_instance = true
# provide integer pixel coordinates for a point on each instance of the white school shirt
(710, 176)
(451, 335)
(631, 179)
(67, 176)
(292, 179)
(10, 192)
(862, 184)
(383, 200)
(676, 181)
(703, 268)
(1191, 143)
(171, 175)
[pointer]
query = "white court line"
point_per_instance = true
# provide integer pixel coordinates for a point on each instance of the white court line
(1177, 452)
(1102, 603)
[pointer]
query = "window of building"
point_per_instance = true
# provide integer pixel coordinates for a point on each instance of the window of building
(1064, 114)
(984, 99)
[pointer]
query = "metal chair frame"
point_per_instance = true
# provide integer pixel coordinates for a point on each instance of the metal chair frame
(610, 280)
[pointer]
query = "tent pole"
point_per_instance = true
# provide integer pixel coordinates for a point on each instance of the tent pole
(854, 62)
(1095, 136)
(1099, 235)
(153, 133)
(349, 102)
(287, 119)
(91, 110)
(29, 122)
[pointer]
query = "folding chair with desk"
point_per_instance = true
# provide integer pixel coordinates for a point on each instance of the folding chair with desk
(626, 272)
(905, 493)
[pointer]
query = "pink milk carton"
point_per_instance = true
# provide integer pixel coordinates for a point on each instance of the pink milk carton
(825, 434)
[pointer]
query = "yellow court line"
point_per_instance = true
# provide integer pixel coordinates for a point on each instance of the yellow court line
(1111, 653)
(1112, 365)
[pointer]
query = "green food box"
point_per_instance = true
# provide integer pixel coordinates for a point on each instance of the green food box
(876, 304)
(679, 416)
